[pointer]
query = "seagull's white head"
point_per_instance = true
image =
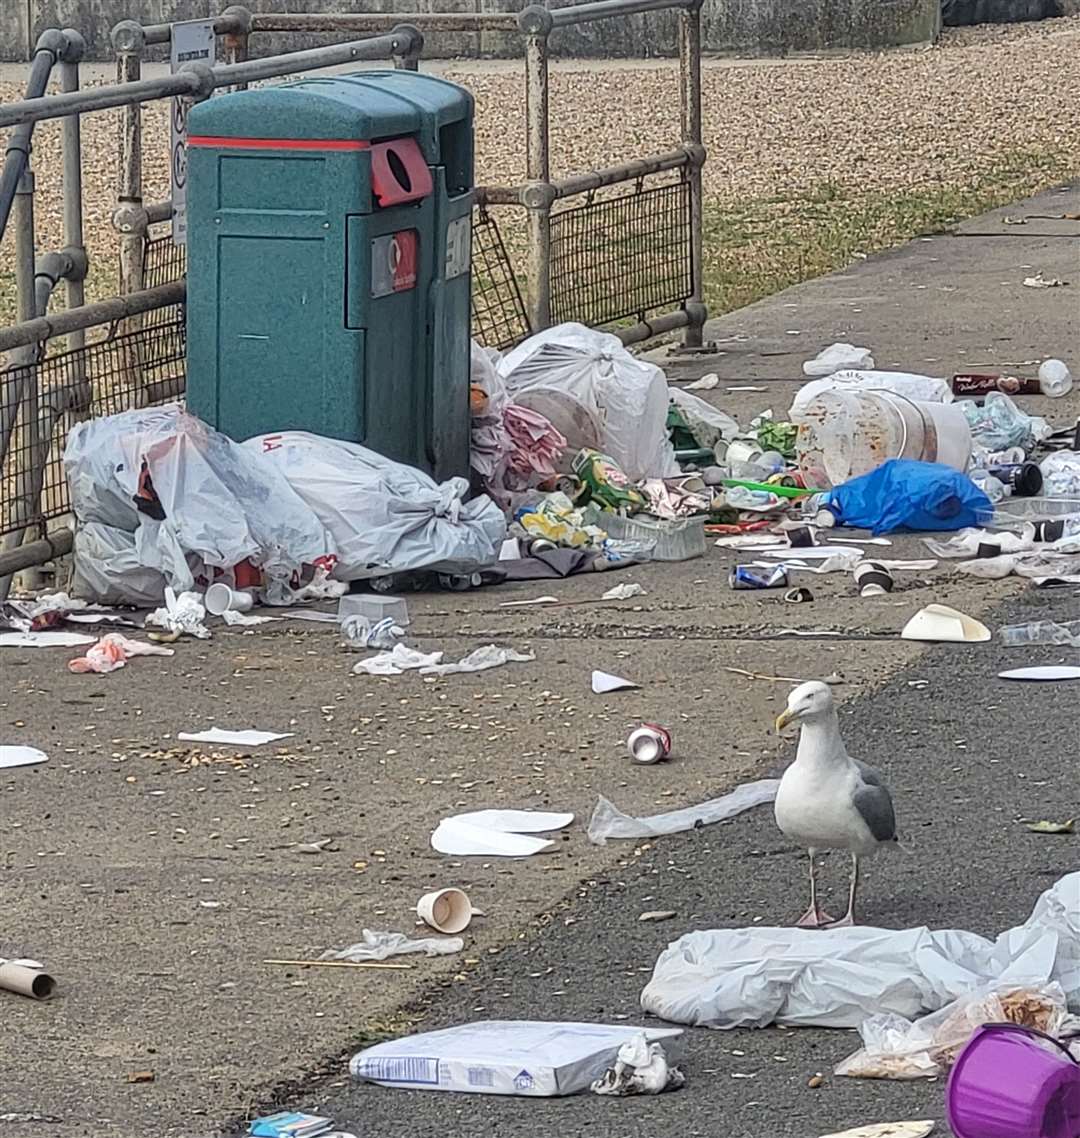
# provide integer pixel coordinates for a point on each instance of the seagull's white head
(808, 701)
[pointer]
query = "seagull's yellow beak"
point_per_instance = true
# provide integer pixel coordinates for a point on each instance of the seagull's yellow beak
(784, 718)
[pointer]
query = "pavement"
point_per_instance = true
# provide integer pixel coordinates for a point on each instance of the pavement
(155, 877)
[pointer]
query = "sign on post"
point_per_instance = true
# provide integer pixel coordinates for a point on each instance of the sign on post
(193, 41)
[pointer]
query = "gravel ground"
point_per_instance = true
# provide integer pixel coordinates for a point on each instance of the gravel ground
(941, 117)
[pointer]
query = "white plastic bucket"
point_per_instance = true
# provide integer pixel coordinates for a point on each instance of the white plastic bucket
(842, 434)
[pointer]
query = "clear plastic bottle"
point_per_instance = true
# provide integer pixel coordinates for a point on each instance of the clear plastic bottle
(1042, 632)
(992, 487)
(1054, 378)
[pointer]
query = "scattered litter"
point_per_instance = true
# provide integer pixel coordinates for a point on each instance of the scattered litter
(113, 651)
(832, 679)
(657, 915)
(942, 623)
(28, 1116)
(26, 978)
(44, 639)
(609, 822)
(233, 738)
(1039, 281)
(402, 658)
(533, 601)
(603, 682)
(290, 1124)
(756, 976)
(245, 619)
(744, 387)
(838, 357)
(1052, 827)
(623, 592)
(887, 1130)
(641, 1068)
(312, 847)
(17, 756)
(894, 1047)
(497, 833)
(649, 743)
(872, 579)
(1044, 672)
(706, 383)
(749, 577)
(220, 598)
(183, 614)
(1041, 632)
(799, 596)
(358, 632)
(446, 910)
(378, 945)
(508, 1057)
(316, 616)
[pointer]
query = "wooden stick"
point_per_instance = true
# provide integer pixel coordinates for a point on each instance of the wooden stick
(339, 964)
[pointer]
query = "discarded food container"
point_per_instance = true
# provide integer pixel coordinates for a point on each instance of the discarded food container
(446, 910)
(1023, 478)
(1014, 1082)
(737, 451)
(677, 540)
(1054, 378)
(798, 596)
(221, 598)
(872, 579)
(802, 536)
(751, 577)
(843, 434)
(940, 622)
(374, 608)
(648, 744)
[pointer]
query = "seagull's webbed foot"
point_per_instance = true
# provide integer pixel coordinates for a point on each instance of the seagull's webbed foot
(814, 918)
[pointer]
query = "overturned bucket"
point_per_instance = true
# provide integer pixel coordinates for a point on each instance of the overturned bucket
(1013, 1082)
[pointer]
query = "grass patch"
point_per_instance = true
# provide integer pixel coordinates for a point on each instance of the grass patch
(760, 247)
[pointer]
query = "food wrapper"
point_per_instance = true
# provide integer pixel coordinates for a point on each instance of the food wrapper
(604, 482)
(896, 1048)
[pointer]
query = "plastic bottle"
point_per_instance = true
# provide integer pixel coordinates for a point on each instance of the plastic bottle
(992, 487)
(1042, 632)
(1054, 378)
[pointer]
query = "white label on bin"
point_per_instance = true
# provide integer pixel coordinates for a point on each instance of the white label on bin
(458, 247)
(394, 260)
(193, 41)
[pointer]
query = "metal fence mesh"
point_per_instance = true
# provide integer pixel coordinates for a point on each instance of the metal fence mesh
(624, 256)
(499, 319)
(163, 262)
(126, 369)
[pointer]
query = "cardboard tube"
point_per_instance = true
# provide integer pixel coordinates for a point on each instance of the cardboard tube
(32, 982)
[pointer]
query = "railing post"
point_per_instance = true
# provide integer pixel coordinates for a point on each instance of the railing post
(536, 24)
(236, 43)
(73, 188)
(690, 116)
(409, 59)
(130, 218)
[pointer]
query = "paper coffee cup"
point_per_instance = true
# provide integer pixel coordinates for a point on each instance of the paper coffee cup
(872, 579)
(446, 910)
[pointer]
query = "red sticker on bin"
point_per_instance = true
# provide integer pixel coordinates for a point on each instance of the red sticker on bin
(394, 260)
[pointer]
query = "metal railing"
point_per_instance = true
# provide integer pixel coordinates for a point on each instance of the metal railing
(615, 246)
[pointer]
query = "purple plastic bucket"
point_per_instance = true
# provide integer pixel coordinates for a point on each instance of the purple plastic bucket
(1006, 1083)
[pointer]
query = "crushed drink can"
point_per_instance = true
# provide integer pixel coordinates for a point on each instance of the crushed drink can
(648, 744)
(751, 577)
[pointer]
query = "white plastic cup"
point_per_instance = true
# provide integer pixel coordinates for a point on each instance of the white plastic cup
(221, 598)
(446, 910)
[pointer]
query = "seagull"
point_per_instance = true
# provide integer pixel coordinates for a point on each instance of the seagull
(828, 800)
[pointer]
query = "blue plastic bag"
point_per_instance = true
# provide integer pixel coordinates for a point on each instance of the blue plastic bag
(903, 494)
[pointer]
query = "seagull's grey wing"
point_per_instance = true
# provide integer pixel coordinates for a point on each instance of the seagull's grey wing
(874, 804)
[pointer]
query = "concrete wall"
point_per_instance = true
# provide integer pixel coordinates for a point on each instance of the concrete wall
(747, 27)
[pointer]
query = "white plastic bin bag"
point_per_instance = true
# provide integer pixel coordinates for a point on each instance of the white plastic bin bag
(384, 517)
(596, 394)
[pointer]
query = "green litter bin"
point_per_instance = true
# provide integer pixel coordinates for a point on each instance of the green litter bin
(329, 237)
